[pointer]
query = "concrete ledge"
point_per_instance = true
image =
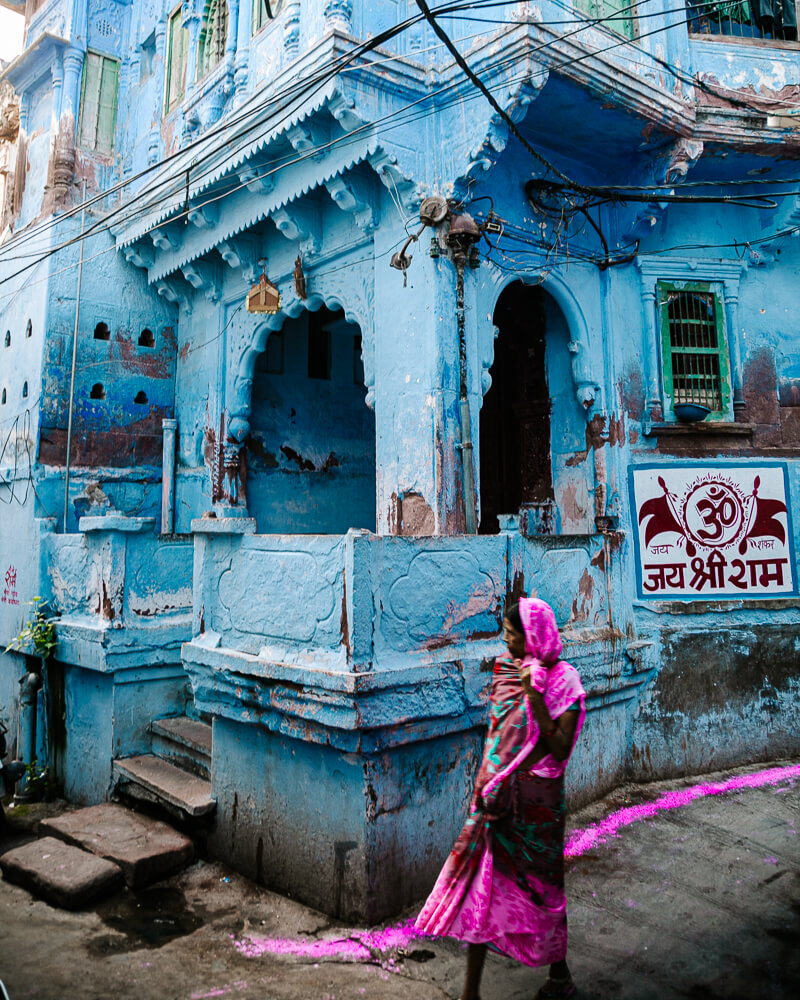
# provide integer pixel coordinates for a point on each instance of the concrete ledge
(223, 526)
(116, 522)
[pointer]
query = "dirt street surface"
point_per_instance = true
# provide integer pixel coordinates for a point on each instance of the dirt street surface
(694, 894)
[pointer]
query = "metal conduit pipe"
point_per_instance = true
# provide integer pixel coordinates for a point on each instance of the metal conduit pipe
(468, 476)
(26, 744)
(169, 428)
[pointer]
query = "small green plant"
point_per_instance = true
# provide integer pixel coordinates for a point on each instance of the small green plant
(39, 632)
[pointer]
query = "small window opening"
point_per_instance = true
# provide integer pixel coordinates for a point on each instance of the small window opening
(101, 332)
(4, 397)
(140, 397)
(319, 347)
(98, 392)
(29, 329)
(146, 338)
(24, 390)
(8, 338)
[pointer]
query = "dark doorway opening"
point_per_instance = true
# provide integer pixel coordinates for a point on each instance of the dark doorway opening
(515, 461)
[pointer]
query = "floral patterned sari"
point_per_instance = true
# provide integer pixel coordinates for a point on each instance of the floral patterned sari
(503, 883)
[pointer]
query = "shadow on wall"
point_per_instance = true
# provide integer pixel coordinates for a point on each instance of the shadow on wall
(311, 447)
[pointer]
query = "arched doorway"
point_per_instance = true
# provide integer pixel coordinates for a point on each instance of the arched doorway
(515, 457)
(311, 448)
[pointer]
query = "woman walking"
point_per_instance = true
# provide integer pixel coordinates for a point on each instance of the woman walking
(503, 885)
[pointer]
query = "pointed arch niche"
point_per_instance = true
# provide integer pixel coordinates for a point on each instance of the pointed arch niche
(533, 418)
(310, 443)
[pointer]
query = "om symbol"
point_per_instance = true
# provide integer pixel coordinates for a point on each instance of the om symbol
(713, 514)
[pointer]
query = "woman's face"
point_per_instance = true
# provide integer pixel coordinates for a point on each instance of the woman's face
(514, 640)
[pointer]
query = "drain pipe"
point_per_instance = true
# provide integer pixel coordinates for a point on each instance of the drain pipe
(26, 745)
(468, 476)
(169, 427)
(74, 362)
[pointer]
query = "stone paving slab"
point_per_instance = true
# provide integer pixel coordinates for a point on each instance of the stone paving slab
(60, 873)
(144, 848)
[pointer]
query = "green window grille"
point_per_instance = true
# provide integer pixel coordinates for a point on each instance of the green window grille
(616, 15)
(213, 36)
(265, 11)
(98, 103)
(177, 47)
(695, 354)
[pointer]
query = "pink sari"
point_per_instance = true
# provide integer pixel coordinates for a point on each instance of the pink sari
(503, 883)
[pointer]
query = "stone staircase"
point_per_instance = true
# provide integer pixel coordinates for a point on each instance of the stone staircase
(176, 776)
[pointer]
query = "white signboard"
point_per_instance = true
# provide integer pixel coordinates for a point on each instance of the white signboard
(707, 532)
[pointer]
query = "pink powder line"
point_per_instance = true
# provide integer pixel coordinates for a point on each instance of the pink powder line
(581, 841)
(362, 945)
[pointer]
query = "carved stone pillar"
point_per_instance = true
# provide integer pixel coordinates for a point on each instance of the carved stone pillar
(291, 30)
(654, 408)
(232, 40)
(73, 66)
(244, 23)
(191, 21)
(734, 347)
(154, 138)
(338, 14)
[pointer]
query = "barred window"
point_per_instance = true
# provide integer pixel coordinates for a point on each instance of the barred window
(213, 36)
(98, 103)
(265, 11)
(616, 15)
(695, 352)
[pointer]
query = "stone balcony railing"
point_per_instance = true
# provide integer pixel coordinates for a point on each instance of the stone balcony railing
(361, 640)
(122, 592)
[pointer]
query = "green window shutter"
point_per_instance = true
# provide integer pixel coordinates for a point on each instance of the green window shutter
(107, 111)
(604, 10)
(99, 91)
(90, 100)
(178, 42)
(694, 347)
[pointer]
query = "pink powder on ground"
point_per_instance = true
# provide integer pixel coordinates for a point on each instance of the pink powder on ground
(581, 841)
(362, 945)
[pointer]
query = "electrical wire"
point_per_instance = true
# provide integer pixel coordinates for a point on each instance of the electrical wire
(141, 210)
(325, 77)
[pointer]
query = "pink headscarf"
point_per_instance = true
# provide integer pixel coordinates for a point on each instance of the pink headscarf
(542, 640)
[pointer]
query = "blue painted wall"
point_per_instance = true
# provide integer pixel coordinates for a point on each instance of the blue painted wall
(339, 634)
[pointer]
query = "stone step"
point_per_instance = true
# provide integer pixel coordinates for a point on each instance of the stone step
(145, 849)
(151, 779)
(185, 742)
(59, 873)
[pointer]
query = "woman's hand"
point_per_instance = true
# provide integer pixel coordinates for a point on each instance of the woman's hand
(533, 677)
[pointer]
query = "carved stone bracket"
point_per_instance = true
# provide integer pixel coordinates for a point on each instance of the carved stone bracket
(139, 254)
(174, 290)
(393, 179)
(671, 168)
(241, 252)
(164, 238)
(305, 139)
(486, 154)
(354, 196)
(254, 182)
(298, 222)
(342, 109)
(203, 277)
(204, 216)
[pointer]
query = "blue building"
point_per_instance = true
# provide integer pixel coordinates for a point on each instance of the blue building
(360, 352)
